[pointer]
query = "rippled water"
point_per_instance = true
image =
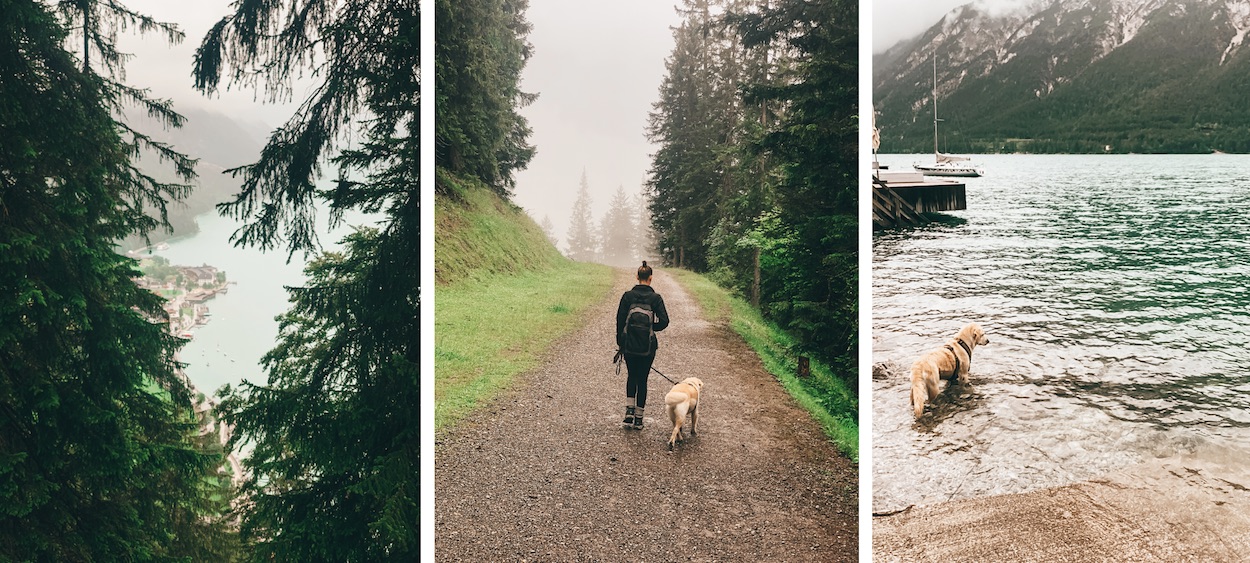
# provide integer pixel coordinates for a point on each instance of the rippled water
(1114, 293)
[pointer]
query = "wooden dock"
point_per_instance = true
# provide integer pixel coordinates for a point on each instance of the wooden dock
(900, 199)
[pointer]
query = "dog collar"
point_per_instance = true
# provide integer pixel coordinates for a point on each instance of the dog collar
(965, 347)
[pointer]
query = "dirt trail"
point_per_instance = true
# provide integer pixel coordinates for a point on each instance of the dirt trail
(546, 473)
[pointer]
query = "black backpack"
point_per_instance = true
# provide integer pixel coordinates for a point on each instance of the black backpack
(636, 336)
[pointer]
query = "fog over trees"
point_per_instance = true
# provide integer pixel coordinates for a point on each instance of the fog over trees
(620, 237)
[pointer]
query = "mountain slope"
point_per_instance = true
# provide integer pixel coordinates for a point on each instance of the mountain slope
(1073, 76)
(219, 143)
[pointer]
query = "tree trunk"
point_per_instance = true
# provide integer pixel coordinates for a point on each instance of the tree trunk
(86, 35)
(755, 285)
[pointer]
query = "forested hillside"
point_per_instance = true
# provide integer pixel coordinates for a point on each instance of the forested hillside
(755, 178)
(218, 143)
(1065, 76)
(478, 133)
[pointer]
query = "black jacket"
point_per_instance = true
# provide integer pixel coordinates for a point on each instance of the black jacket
(642, 293)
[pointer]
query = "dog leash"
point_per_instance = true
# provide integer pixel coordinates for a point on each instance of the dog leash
(662, 375)
(618, 359)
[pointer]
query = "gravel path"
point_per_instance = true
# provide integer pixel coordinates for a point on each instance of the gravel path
(546, 473)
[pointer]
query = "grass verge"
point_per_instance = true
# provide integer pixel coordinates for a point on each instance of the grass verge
(503, 295)
(823, 394)
(489, 330)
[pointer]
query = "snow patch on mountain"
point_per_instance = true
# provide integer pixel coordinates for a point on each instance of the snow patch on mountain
(1128, 16)
(1239, 17)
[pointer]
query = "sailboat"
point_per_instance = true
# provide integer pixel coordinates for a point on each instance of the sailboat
(945, 164)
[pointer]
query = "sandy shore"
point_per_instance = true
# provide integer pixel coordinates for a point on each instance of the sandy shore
(1175, 510)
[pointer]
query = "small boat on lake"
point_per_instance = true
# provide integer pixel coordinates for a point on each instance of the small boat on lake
(945, 164)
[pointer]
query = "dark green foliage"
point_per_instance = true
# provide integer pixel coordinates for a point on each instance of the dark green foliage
(478, 58)
(99, 454)
(757, 161)
(694, 124)
(815, 143)
(99, 22)
(333, 471)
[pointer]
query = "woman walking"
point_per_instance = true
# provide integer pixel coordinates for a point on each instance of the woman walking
(640, 315)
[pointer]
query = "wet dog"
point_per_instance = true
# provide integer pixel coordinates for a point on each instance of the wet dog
(951, 361)
(683, 399)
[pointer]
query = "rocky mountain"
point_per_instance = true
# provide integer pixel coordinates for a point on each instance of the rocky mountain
(1072, 76)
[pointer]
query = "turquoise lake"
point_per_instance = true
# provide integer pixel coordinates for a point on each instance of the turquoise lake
(243, 328)
(1113, 290)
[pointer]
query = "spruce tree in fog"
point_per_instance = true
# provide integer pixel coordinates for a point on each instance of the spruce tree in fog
(582, 243)
(549, 229)
(333, 467)
(644, 241)
(100, 458)
(619, 231)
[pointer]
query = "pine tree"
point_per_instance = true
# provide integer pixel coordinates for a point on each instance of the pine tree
(582, 243)
(695, 123)
(754, 178)
(644, 239)
(99, 457)
(479, 55)
(550, 230)
(333, 473)
(98, 23)
(619, 231)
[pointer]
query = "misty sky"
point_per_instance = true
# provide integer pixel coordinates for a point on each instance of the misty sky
(166, 69)
(597, 67)
(896, 20)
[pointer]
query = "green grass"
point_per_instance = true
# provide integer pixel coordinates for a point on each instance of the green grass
(478, 236)
(823, 394)
(504, 294)
(488, 331)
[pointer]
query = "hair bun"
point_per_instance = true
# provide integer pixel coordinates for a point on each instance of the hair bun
(644, 263)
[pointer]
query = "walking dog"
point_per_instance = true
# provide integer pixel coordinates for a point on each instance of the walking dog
(951, 361)
(683, 399)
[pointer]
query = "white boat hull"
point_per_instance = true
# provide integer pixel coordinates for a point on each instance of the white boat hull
(946, 170)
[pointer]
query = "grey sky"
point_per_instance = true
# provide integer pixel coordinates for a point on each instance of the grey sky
(597, 67)
(896, 20)
(166, 69)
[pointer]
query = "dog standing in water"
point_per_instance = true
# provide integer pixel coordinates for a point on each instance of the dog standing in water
(951, 361)
(683, 400)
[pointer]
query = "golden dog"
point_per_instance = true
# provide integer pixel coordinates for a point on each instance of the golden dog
(683, 399)
(951, 361)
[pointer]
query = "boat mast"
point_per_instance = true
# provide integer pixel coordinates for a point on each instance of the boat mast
(935, 117)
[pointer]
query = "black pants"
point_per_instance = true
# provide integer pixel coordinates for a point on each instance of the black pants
(636, 384)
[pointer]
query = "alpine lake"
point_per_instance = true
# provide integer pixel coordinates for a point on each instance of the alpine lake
(1113, 290)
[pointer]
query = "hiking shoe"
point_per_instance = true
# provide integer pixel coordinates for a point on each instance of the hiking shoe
(638, 418)
(629, 416)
